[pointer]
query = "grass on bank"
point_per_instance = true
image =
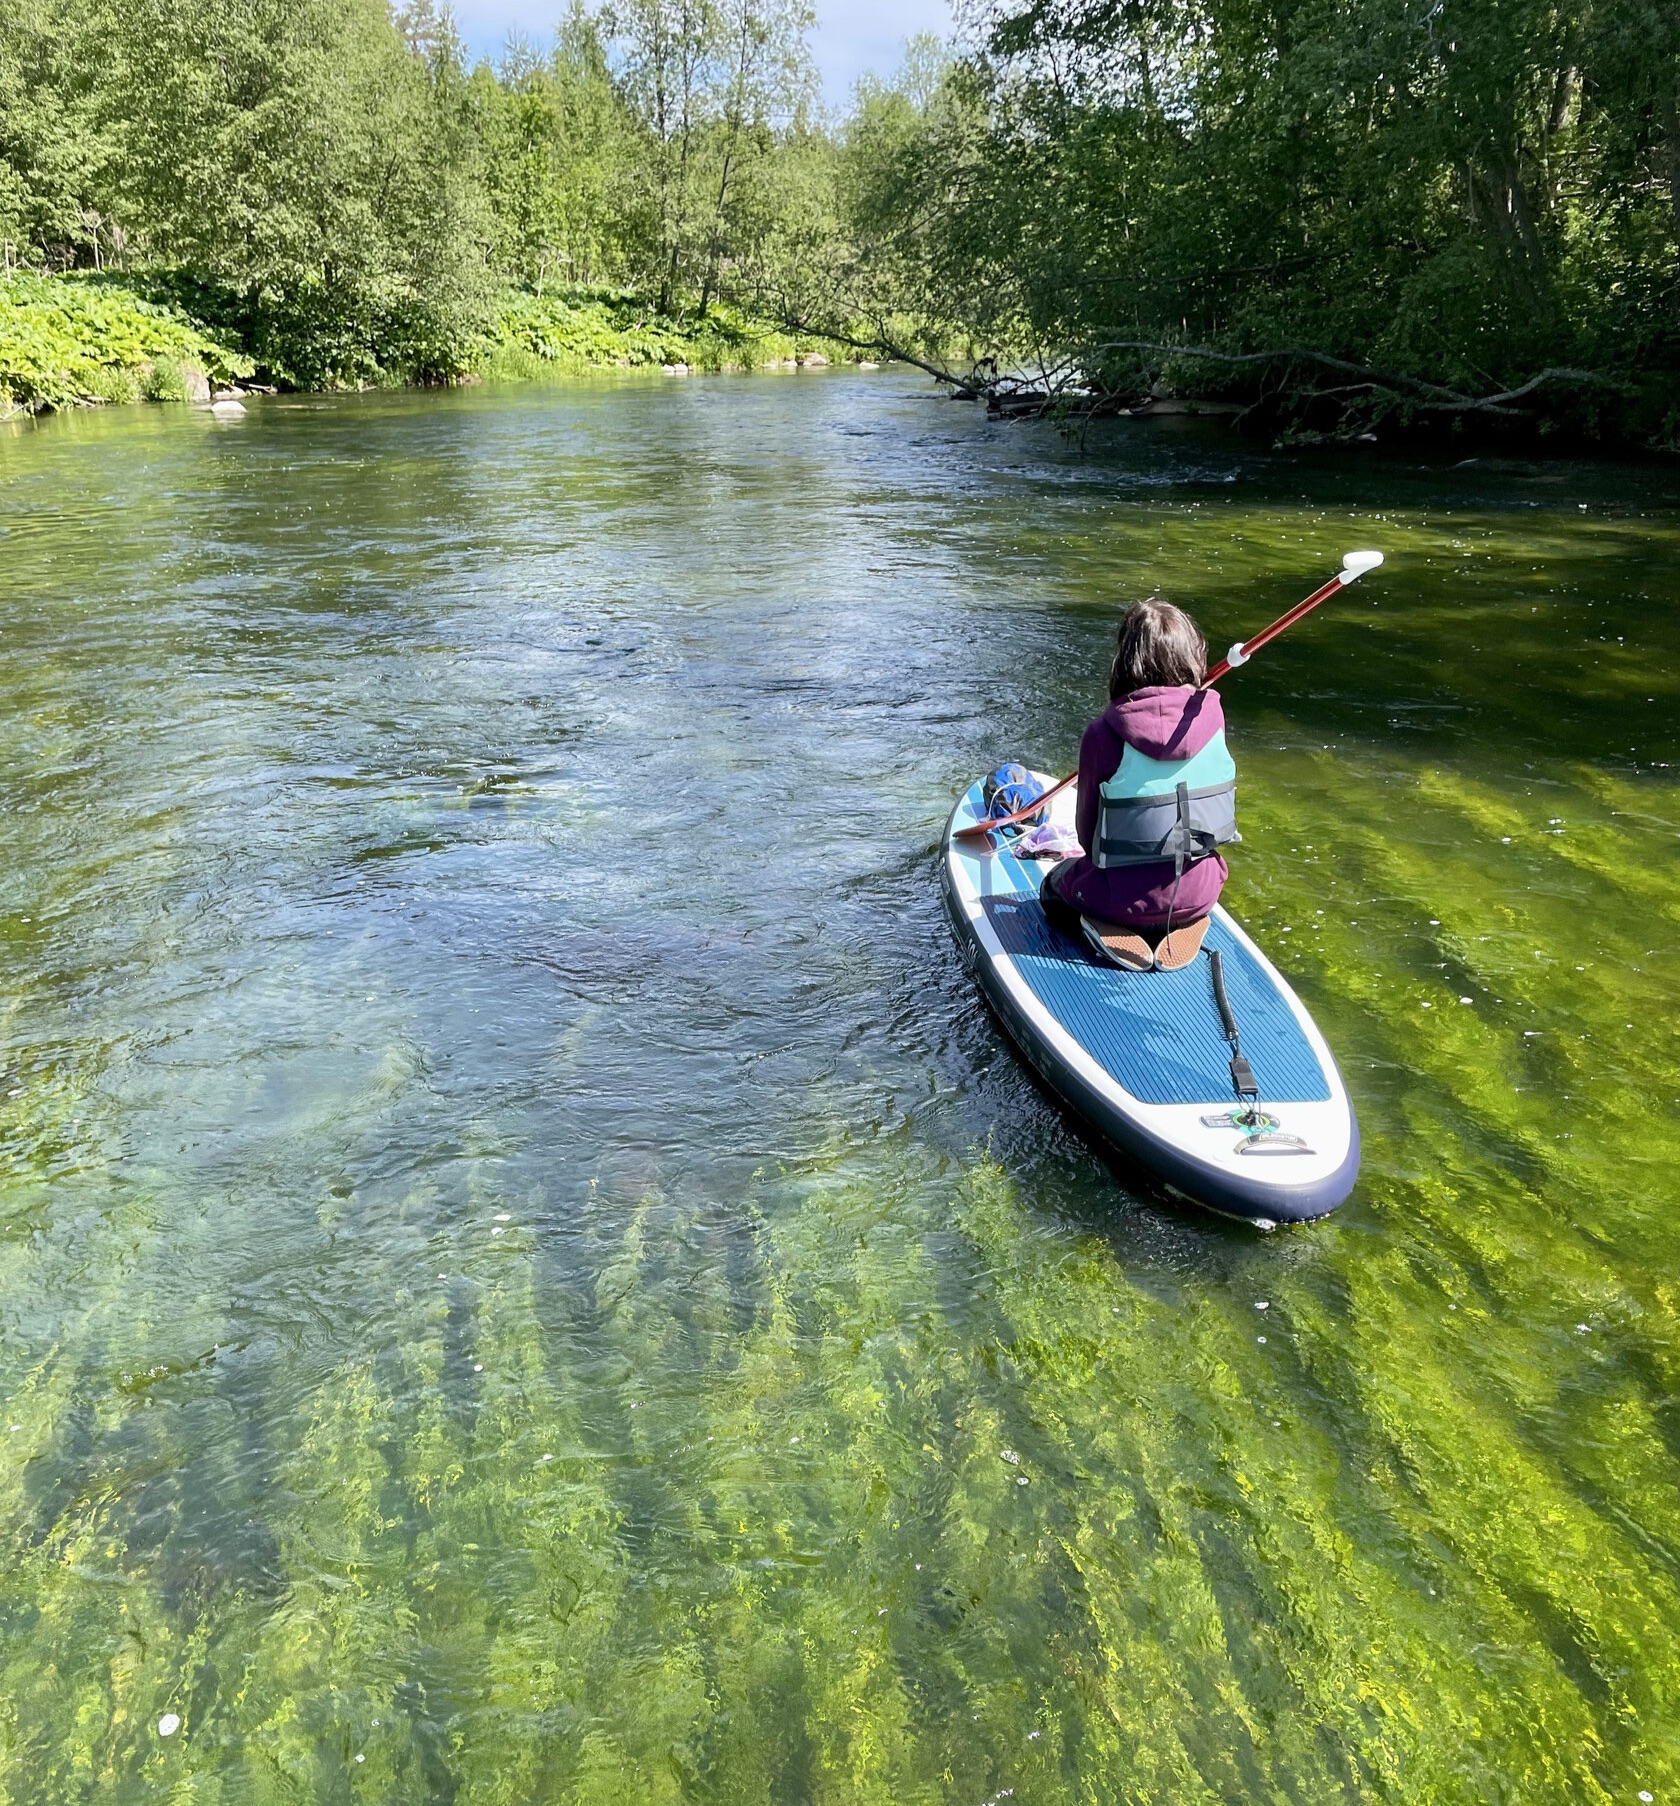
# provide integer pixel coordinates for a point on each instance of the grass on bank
(77, 340)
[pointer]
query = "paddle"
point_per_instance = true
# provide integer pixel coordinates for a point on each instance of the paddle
(1354, 566)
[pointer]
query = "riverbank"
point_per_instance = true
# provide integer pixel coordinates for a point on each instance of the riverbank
(97, 339)
(66, 342)
(603, 328)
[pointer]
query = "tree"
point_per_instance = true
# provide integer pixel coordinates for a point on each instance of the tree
(1336, 209)
(298, 152)
(667, 46)
(765, 82)
(58, 183)
(555, 132)
(716, 87)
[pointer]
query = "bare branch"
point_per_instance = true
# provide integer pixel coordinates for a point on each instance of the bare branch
(1435, 396)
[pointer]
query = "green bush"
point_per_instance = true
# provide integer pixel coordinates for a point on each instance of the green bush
(583, 329)
(165, 380)
(88, 338)
(70, 339)
(111, 383)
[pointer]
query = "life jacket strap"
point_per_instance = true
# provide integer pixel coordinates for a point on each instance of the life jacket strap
(1183, 825)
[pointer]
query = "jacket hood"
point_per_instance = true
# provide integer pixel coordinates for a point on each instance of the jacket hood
(1168, 721)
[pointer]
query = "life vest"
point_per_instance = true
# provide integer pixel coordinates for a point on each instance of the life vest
(1177, 809)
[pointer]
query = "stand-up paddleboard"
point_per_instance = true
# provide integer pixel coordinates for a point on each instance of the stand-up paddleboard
(1143, 1057)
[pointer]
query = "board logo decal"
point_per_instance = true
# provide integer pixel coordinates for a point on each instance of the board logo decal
(1261, 1134)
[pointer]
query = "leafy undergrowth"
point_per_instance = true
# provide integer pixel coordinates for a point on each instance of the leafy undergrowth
(67, 340)
(71, 340)
(583, 329)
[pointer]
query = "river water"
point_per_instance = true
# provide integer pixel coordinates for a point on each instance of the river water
(526, 1273)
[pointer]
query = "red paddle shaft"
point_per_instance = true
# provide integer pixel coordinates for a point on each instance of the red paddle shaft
(1354, 566)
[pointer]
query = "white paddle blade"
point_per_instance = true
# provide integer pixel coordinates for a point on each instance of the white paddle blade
(1356, 564)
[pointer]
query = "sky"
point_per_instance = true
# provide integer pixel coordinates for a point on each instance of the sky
(852, 36)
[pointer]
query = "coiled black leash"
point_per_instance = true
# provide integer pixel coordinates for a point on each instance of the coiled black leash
(1243, 1081)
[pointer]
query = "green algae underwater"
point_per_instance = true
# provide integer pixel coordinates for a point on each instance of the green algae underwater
(527, 1275)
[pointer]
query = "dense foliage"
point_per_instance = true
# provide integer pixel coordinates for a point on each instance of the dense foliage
(76, 340)
(332, 187)
(1341, 213)
(1450, 196)
(583, 329)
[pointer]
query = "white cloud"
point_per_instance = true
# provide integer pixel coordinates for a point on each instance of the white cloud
(852, 36)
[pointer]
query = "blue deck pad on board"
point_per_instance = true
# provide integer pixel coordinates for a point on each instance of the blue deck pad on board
(1158, 1033)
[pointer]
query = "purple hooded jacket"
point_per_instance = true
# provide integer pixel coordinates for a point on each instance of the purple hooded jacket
(1166, 721)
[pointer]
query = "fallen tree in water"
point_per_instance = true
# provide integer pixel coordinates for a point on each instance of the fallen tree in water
(1296, 382)
(1356, 219)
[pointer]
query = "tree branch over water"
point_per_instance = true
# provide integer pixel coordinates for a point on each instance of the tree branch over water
(1072, 380)
(1458, 222)
(1433, 396)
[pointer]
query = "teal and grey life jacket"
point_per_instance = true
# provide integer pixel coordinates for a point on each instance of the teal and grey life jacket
(1175, 809)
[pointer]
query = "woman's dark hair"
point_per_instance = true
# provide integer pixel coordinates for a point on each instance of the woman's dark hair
(1158, 644)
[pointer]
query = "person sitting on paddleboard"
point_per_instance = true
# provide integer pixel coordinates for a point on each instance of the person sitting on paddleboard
(1154, 778)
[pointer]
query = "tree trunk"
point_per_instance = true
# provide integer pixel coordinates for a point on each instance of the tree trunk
(1499, 196)
(1668, 153)
(1562, 95)
(714, 249)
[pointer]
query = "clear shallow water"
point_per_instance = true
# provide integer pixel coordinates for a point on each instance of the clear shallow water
(526, 1273)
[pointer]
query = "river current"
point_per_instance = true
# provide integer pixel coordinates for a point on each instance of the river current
(526, 1272)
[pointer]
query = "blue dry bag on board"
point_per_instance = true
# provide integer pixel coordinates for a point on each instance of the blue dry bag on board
(1009, 788)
